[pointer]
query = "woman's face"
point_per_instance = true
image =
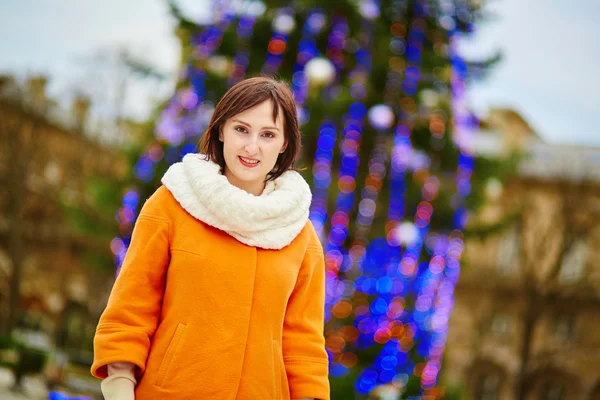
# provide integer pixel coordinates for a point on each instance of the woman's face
(252, 141)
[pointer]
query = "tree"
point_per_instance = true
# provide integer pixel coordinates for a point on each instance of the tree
(376, 84)
(33, 127)
(26, 111)
(110, 78)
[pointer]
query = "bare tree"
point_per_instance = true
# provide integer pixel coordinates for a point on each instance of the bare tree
(19, 130)
(112, 79)
(550, 225)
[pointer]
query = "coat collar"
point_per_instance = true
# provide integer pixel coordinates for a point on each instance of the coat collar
(271, 220)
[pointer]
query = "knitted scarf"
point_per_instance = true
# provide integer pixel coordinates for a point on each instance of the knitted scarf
(270, 221)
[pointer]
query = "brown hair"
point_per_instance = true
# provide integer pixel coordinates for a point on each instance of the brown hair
(243, 96)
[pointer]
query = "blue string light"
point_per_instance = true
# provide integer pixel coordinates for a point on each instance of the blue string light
(393, 278)
(369, 194)
(327, 135)
(307, 50)
(278, 42)
(349, 162)
(322, 175)
(242, 58)
(464, 124)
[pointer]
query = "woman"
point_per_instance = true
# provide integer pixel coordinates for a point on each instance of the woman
(221, 293)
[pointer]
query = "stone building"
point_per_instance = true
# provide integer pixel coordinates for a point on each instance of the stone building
(527, 313)
(46, 161)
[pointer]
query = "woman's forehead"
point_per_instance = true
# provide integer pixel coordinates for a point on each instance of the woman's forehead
(261, 113)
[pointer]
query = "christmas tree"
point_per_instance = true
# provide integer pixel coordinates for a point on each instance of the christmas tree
(386, 148)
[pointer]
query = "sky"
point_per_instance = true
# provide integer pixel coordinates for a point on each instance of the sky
(549, 72)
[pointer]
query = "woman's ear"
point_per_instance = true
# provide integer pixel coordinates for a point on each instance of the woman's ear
(283, 148)
(220, 133)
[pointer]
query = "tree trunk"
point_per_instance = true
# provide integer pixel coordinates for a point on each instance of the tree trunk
(16, 255)
(530, 318)
(18, 164)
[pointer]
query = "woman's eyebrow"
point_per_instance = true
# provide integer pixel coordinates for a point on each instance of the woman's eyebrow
(250, 126)
(242, 122)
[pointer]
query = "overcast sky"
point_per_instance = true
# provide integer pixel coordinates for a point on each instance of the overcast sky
(549, 73)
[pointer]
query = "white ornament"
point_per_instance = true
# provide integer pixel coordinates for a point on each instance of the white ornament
(369, 9)
(284, 23)
(381, 116)
(429, 97)
(320, 71)
(256, 8)
(407, 233)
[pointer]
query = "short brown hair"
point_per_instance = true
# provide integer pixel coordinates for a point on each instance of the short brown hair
(243, 96)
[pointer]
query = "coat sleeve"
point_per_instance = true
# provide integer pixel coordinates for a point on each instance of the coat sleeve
(131, 316)
(304, 354)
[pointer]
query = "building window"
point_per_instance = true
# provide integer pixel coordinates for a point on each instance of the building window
(508, 252)
(564, 327)
(500, 324)
(573, 265)
(488, 387)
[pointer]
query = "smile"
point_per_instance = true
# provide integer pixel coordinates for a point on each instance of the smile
(248, 162)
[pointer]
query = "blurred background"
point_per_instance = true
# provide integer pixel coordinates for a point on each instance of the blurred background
(452, 148)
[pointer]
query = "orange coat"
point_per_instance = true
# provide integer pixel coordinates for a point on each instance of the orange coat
(203, 316)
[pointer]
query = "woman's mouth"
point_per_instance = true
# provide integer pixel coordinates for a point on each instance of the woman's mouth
(248, 162)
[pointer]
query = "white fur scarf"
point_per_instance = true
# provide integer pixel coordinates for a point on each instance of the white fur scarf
(270, 221)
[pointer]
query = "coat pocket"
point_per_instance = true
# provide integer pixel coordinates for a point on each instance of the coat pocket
(281, 389)
(166, 361)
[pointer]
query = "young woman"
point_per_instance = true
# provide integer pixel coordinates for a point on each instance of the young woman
(221, 293)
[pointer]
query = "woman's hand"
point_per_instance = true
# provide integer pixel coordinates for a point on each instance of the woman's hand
(120, 383)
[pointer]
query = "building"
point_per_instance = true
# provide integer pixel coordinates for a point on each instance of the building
(527, 305)
(46, 160)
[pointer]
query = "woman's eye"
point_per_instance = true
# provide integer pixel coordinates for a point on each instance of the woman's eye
(269, 134)
(240, 129)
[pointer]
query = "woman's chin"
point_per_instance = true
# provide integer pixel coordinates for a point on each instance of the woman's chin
(250, 179)
(245, 175)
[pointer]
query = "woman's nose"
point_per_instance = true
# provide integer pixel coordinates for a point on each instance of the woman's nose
(251, 145)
